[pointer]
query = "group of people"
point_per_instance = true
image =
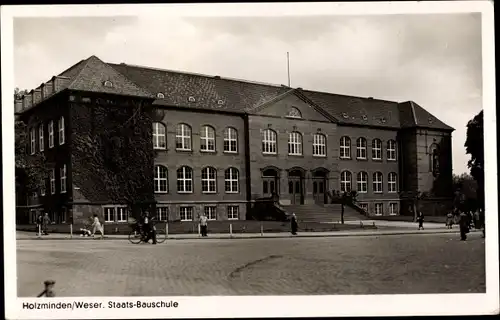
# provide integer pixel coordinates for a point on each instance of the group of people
(467, 220)
(42, 224)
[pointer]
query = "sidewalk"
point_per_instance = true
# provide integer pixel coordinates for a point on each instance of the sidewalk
(20, 235)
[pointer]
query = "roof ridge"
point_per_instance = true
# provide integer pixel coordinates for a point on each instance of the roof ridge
(196, 74)
(349, 96)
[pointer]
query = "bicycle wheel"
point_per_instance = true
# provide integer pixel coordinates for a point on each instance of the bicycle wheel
(134, 237)
(161, 236)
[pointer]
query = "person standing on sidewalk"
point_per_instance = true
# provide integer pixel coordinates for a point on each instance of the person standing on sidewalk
(464, 226)
(204, 225)
(45, 223)
(420, 220)
(293, 224)
(97, 227)
(39, 221)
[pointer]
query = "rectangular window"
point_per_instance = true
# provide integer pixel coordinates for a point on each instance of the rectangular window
(121, 214)
(379, 209)
(319, 145)
(186, 213)
(162, 213)
(62, 175)
(61, 131)
(42, 188)
(233, 212)
(40, 137)
(109, 214)
(32, 141)
(53, 181)
(393, 209)
(51, 134)
(211, 212)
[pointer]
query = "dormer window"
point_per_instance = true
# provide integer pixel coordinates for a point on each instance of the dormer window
(220, 102)
(108, 84)
(345, 115)
(160, 95)
(430, 120)
(191, 99)
(382, 120)
(365, 117)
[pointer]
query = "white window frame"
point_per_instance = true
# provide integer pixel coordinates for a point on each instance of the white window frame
(210, 212)
(295, 143)
(62, 178)
(269, 143)
(378, 183)
(62, 137)
(41, 137)
(345, 147)
(32, 141)
(159, 136)
(362, 182)
(377, 149)
(160, 210)
(53, 181)
(187, 176)
(186, 211)
(230, 140)
(377, 205)
(183, 137)
(392, 184)
(361, 146)
(159, 178)
(209, 180)
(319, 145)
(345, 180)
(43, 187)
(51, 134)
(232, 211)
(113, 214)
(117, 212)
(207, 139)
(231, 180)
(393, 208)
(120, 213)
(391, 150)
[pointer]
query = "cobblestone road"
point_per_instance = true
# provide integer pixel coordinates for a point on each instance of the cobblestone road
(351, 265)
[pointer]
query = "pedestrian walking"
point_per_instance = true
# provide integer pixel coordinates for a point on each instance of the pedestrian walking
(204, 225)
(96, 226)
(464, 226)
(45, 224)
(39, 222)
(449, 220)
(294, 224)
(420, 220)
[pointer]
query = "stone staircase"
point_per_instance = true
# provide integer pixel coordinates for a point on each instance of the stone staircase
(323, 213)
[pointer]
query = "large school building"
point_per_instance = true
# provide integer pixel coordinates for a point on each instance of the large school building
(223, 143)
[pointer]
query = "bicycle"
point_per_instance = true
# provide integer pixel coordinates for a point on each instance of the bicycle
(135, 236)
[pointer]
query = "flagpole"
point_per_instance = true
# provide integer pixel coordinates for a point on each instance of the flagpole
(288, 66)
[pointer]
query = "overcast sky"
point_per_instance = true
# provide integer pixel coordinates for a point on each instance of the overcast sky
(434, 60)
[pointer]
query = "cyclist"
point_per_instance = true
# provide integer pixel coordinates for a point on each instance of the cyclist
(148, 228)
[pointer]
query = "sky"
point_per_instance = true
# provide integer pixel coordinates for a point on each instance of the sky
(432, 59)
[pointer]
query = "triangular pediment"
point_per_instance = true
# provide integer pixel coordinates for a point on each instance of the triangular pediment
(97, 76)
(292, 104)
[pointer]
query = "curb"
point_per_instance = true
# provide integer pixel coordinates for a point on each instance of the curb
(360, 234)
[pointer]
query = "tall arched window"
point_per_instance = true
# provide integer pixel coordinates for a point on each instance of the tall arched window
(377, 149)
(392, 182)
(230, 140)
(185, 180)
(159, 136)
(345, 181)
(207, 136)
(161, 179)
(269, 141)
(231, 176)
(377, 182)
(361, 148)
(183, 137)
(295, 143)
(208, 180)
(391, 150)
(362, 182)
(319, 145)
(434, 160)
(345, 148)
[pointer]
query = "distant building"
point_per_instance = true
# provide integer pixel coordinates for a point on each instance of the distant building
(224, 143)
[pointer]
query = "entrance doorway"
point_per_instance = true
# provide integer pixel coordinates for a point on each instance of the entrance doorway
(296, 186)
(320, 186)
(270, 182)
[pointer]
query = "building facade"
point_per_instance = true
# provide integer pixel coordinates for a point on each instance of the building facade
(219, 144)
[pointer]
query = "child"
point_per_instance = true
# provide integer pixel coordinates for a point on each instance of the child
(449, 220)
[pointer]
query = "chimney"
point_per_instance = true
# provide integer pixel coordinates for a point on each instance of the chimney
(18, 107)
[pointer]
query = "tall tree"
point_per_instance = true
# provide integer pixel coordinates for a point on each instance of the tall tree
(474, 145)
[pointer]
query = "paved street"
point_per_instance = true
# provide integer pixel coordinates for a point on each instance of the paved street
(426, 263)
